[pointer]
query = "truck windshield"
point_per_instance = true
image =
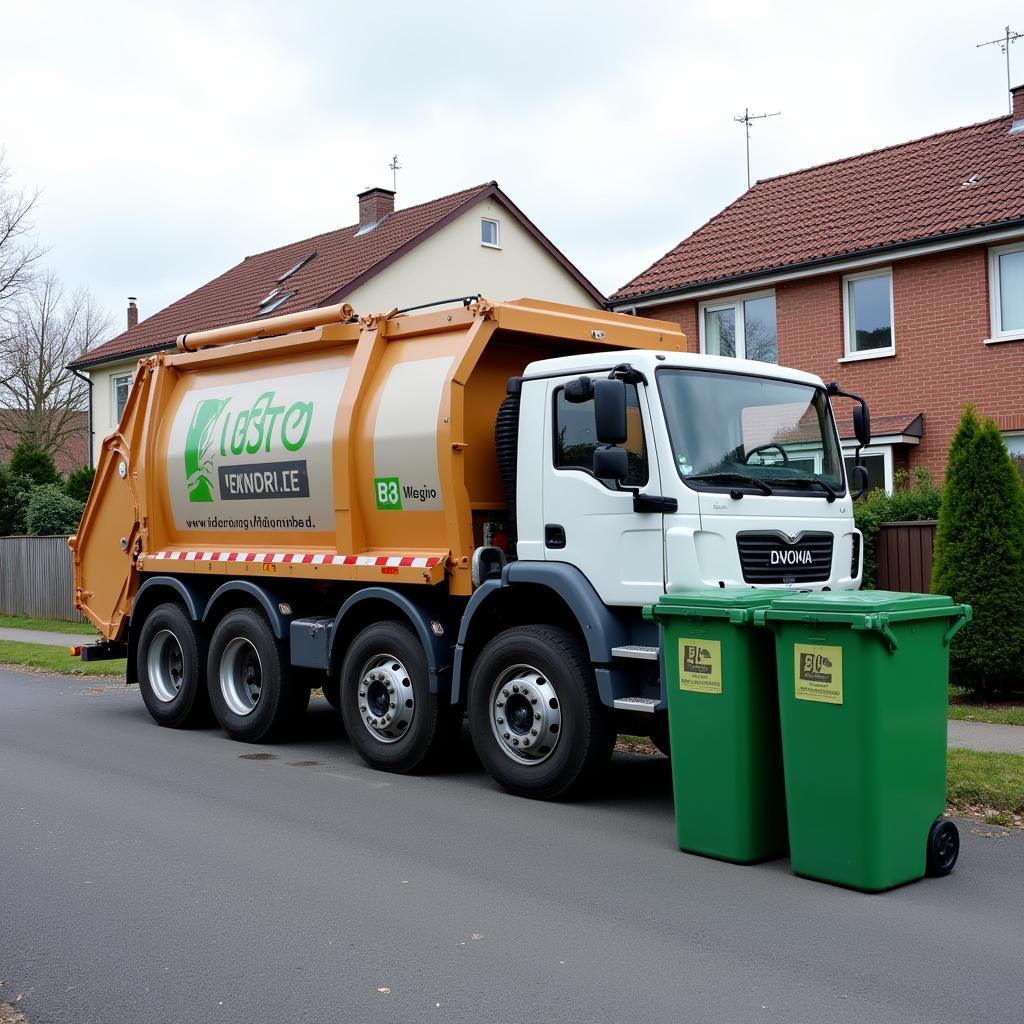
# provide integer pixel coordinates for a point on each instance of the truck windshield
(733, 430)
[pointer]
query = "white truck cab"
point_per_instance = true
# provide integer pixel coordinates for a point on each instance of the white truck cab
(734, 476)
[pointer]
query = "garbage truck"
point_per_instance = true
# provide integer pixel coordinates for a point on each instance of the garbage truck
(447, 515)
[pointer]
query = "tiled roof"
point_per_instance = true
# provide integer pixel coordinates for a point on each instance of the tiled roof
(343, 261)
(955, 181)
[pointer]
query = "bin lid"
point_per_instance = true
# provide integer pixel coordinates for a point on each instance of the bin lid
(723, 597)
(860, 602)
(735, 603)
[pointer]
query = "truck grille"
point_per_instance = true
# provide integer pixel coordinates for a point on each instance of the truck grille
(773, 558)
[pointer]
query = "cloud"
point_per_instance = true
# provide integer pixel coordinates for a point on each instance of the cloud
(171, 142)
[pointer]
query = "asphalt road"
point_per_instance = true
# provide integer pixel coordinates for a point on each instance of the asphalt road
(156, 876)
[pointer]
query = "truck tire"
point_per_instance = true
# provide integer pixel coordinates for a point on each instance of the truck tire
(392, 719)
(536, 720)
(252, 694)
(171, 666)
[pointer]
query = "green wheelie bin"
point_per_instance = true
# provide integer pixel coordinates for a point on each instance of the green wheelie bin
(723, 724)
(863, 692)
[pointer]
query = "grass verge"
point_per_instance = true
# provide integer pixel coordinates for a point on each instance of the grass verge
(986, 785)
(56, 659)
(1000, 712)
(47, 625)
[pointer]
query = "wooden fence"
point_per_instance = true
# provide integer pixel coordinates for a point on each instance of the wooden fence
(35, 578)
(905, 553)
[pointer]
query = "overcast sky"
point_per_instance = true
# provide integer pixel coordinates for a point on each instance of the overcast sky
(171, 140)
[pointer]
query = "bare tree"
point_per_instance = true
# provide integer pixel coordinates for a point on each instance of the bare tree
(19, 251)
(40, 398)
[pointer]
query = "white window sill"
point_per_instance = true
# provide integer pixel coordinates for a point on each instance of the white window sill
(856, 357)
(1015, 336)
(489, 245)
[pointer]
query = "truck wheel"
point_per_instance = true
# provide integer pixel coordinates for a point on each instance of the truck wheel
(943, 847)
(535, 716)
(170, 662)
(392, 719)
(252, 695)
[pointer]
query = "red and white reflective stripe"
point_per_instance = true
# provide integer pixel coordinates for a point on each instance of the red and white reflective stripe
(279, 558)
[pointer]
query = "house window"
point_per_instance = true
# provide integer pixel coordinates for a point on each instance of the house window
(576, 436)
(742, 327)
(868, 312)
(120, 386)
(1006, 292)
(876, 460)
(1015, 443)
(489, 233)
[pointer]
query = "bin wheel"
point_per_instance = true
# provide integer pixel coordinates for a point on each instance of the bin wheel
(943, 847)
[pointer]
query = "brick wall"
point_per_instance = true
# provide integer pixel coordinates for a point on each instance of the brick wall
(941, 361)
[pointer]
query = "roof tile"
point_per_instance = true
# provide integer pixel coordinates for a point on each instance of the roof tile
(899, 194)
(341, 257)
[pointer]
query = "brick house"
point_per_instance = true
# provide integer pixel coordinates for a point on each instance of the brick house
(469, 242)
(899, 273)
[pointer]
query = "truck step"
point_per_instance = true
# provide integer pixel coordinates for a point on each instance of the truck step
(637, 651)
(646, 704)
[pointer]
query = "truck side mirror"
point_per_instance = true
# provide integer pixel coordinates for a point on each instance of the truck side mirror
(579, 390)
(610, 411)
(611, 464)
(862, 425)
(859, 480)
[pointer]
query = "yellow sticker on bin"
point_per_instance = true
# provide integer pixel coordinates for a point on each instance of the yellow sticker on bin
(700, 665)
(818, 672)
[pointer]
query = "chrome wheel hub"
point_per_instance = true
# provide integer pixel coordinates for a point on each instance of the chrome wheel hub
(387, 702)
(241, 676)
(526, 714)
(165, 666)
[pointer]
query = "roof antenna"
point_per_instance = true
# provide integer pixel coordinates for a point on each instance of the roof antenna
(1004, 45)
(395, 168)
(745, 119)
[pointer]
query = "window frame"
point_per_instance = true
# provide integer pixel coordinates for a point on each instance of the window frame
(849, 451)
(115, 379)
(994, 299)
(735, 302)
(496, 244)
(644, 447)
(850, 354)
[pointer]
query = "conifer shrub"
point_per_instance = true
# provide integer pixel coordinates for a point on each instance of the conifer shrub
(979, 557)
(79, 484)
(30, 460)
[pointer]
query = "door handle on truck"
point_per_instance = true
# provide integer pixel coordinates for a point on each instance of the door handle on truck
(654, 503)
(554, 536)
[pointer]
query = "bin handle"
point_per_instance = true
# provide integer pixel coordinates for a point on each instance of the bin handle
(879, 623)
(965, 616)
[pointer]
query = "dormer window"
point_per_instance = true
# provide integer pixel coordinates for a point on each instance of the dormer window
(275, 299)
(295, 269)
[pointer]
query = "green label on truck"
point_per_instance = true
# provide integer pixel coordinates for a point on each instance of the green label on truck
(818, 672)
(388, 491)
(700, 665)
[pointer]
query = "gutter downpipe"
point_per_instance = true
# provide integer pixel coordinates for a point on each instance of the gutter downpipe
(88, 381)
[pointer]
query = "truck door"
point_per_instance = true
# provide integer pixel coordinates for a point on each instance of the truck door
(588, 522)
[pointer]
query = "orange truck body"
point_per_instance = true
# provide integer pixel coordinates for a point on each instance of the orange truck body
(321, 446)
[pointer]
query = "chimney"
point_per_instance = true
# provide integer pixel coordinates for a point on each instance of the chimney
(374, 205)
(1017, 92)
(133, 312)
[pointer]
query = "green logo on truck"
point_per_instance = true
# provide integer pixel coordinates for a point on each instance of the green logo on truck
(259, 428)
(200, 448)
